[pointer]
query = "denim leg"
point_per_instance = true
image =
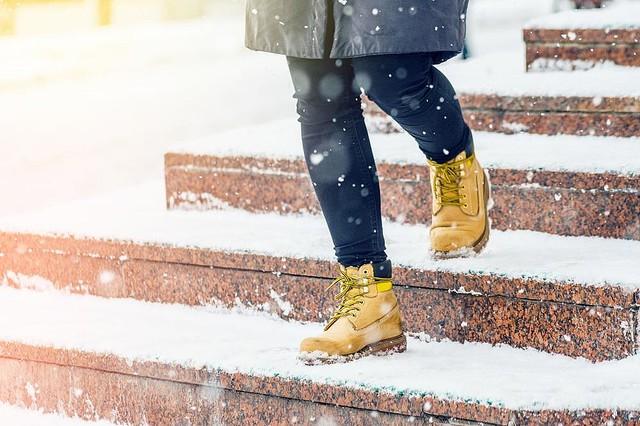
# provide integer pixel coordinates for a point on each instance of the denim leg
(339, 157)
(420, 98)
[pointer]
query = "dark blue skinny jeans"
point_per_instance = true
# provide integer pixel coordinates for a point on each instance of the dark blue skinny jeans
(336, 144)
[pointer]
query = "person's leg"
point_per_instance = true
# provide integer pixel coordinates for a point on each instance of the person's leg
(420, 98)
(342, 169)
(339, 157)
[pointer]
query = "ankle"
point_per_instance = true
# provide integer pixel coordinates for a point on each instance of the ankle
(465, 145)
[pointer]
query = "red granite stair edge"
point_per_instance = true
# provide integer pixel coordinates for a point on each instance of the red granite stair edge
(568, 49)
(563, 203)
(482, 284)
(582, 35)
(359, 398)
(560, 57)
(212, 163)
(550, 104)
(615, 105)
(543, 115)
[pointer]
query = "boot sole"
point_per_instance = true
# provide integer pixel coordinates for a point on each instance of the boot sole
(390, 346)
(481, 243)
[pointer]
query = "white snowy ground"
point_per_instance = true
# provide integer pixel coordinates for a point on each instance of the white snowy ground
(197, 337)
(15, 416)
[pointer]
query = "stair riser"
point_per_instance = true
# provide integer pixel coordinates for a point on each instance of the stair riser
(105, 386)
(594, 332)
(137, 400)
(582, 116)
(520, 200)
(555, 123)
(34, 251)
(551, 57)
(618, 46)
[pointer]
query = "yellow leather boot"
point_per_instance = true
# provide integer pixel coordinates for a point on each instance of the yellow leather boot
(461, 198)
(366, 321)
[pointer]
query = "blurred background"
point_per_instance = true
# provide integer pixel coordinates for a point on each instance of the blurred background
(93, 92)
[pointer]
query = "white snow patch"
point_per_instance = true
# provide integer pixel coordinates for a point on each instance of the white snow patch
(32, 282)
(281, 139)
(285, 306)
(504, 73)
(618, 14)
(15, 416)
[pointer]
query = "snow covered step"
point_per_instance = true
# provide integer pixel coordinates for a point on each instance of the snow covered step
(563, 185)
(580, 39)
(573, 296)
(498, 95)
(132, 362)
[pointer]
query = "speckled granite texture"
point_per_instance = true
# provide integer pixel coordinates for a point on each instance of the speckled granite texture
(105, 386)
(589, 47)
(597, 323)
(546, 115)
(565, 203)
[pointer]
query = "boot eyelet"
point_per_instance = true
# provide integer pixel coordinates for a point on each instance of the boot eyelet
(466, 206)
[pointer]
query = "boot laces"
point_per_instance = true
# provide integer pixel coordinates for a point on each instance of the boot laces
(447, 183)
(349, 301)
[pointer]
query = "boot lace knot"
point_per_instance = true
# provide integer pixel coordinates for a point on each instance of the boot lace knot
(351, 295)
(448, 190)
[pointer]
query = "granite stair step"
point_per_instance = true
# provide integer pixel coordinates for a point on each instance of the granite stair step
(561, 185)
(133, 362)
(580, 39)
(498, 95)
(575, 296)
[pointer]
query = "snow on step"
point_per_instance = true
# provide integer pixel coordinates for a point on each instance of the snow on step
(281, 139)
(195, 338)
(504, 74)
(576, 40)
(622, 14)
(15, 416)
(138, 214)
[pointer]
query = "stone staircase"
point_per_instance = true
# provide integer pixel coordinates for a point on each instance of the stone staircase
(608, 36)
(116, 308)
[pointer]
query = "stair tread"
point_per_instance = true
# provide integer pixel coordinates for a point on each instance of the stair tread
(262, 346)
(504, 74)
(622, 15)
(281, 140)
(137, 214)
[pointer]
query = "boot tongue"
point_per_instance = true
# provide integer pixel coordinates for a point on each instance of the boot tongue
(459, 157)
